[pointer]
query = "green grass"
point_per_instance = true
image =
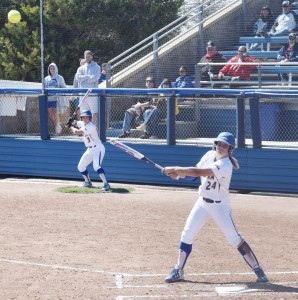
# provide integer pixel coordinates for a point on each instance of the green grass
(93, 190)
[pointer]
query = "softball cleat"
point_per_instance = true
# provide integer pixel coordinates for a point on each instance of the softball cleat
(87, 184)
(175, 275)
(261, 275)
(106, 187)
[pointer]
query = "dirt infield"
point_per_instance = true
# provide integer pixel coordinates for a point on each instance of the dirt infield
(121, 246)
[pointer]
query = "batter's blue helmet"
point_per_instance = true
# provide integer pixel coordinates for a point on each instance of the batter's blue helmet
(86, 113)
(226, 138)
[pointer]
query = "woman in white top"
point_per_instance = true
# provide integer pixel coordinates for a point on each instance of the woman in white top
(215, 169)
(286, 22)
(54, 80)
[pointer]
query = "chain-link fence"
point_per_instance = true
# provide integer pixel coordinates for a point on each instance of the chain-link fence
(197, 117)
(19, 115)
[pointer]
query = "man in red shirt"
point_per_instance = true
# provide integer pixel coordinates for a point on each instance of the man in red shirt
(238, 71)
(213, 56)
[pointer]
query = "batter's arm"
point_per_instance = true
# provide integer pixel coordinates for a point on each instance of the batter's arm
(76, 131)
(182, 172)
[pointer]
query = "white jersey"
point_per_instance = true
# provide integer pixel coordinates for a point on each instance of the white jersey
(285, 22)
(215, 187)
(90, 135)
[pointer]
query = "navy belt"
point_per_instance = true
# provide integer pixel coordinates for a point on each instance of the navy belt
(92, 146)
(210, 200)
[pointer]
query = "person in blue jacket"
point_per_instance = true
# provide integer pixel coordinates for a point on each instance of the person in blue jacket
(184, 80)
(288, 53)
(103, 74)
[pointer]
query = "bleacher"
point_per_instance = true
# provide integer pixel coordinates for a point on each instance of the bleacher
(255, 54)
(267, 67)
(265, 75)
(269, 41)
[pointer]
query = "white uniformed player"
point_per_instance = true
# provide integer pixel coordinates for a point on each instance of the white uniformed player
(215, 169)
(95, 149)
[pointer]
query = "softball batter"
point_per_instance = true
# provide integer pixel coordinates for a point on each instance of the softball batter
(95, 149)
(215, 169)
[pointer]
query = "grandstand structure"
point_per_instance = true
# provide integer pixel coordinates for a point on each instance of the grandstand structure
(262, 113)
(183, 41)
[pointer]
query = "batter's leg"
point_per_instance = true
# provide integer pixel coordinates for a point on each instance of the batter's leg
(98, 156)
(222, 216)
(85, 160)
(102, 175)
(252, 261)
(184, 251)
(195, 221)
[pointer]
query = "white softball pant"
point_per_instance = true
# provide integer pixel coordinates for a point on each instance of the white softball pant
(95, 154)
(202, 212)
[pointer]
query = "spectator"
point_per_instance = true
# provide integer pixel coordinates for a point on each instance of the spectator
(237, 71)
(262, 25)
(103, 74)
(211, 56)
(184, 80)
(54, 80)
(157, 109)
(87, 77)
(288, 53)
(75, 81)
(284, 23)
(135, 113)
(76, 85)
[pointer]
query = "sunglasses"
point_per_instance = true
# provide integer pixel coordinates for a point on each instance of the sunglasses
(241, 51)
(148, 80)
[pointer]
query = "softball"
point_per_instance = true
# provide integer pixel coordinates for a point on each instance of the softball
(14, 16)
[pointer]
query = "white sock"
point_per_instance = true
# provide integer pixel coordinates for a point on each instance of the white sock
(103, 178)
(181, 259)
(86, 178)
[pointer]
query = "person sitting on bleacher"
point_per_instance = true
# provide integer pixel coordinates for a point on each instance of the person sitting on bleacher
(284, 23)
(262, 25)
(213, 56)
(237, 71)
(184, 80)
(156, 111)
(288, 53)
(135, 113)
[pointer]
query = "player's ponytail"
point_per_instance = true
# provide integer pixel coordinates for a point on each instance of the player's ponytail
(234, 162)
